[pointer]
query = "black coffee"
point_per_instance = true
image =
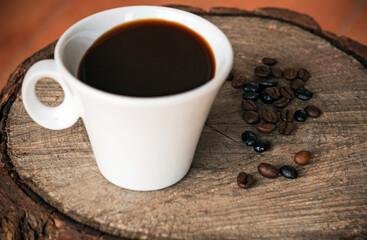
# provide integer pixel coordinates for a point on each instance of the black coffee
(147, 58)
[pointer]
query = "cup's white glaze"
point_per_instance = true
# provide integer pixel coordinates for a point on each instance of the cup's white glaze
(139, 143)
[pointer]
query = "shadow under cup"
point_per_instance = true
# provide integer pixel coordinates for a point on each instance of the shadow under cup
(142, 143)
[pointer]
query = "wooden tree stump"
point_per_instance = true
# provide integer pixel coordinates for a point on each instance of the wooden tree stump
(51, 187)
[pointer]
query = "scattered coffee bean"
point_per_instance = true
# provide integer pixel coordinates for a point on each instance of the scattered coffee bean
(251, 87)
(269, 61)
(269, 115)
(297, 83)
(265, 128)
(273, 92)
(250, 95)
(267, 170)
(289, 73)
(264, 84)
(287, 92)
(285, 128)
(266, 98)
(249, 105)
(249, 138)
(313, 111)
(288, 172)
(300, 115)
(262, 71)
(303, 94)
(287, 115)
(303, 74)
(281, 102)
(276, 72)
(231, 75)
(302, 157)
(238, 81)
(244, 180)
(251, 117)
(262, 145)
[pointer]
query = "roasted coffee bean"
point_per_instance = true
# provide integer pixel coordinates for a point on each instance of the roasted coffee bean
(251, 87)
(244, 180)
(285, 128)
(276, 72)
(266, 98)
(289, 73)
(265, 128)
(249, 105)
(313, 111)
(269, 61)
(251, 117)
(269, 115)
(231, 75)
(249, 138)
(288, 172)
(267, 170)
(287, 92)
(302, 157)
(287, 115)
(262, 71)
(297, 83)
(266, 83)
(250, 95)
(281, 102)
(303, 93)
(238, 81)
(300, 115)
(303, 74)
(273, 92)
(262, 145)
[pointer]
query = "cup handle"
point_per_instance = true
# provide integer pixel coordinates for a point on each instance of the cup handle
(55, 118)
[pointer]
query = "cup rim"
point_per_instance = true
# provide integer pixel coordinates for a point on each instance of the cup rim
(218, 79)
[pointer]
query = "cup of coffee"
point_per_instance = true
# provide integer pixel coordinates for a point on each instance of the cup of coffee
(143, 80)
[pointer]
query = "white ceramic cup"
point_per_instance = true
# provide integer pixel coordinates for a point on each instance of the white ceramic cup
(140, 143)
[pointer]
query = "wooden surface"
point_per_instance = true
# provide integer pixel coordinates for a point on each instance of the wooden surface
(63, 191)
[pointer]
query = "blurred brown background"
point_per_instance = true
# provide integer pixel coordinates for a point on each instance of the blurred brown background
(29, 25)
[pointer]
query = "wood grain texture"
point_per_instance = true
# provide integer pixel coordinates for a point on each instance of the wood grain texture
(328, 200)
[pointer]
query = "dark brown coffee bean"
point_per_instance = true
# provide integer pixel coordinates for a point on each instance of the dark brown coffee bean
(238, 81)
(269, 61)
(262, 71)
(273, 92)
(287, 115)
(281, 102)
(289, 73)
(251, 117)
(269, 115)
(267, 170)
(297, 83)
(302, 157)
(276, 72)
(313, 111)
(285, 128)
(265, 128)
(244, 180)
(249, 105)
(231, 75)
(287, 92)
(303, 74)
